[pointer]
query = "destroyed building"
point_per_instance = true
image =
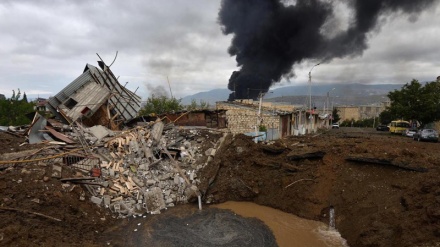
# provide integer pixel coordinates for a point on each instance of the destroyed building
(95, 98)
(202, 118)
(278, 120)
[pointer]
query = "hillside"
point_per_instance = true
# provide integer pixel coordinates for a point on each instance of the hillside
(343, 94)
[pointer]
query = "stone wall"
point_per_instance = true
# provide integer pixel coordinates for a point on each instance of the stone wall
(243, 119)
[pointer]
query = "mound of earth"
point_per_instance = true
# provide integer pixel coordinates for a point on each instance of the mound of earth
(394, 201)
(38, 210)
(375, 204)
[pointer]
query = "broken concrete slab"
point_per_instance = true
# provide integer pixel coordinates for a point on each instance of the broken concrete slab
(156, 131)
(96, 200)
(154, 200)
(56, 171)
(107, 199)
(99, 131)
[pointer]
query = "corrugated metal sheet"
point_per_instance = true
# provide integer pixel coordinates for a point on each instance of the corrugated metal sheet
(91, 95)
(54, 102)
(125, 102)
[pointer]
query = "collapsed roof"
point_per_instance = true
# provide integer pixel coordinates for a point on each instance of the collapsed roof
(95, 98)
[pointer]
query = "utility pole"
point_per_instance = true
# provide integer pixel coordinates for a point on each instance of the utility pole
(169, 85)
(311, 118)
(258, 117)
(328, 106)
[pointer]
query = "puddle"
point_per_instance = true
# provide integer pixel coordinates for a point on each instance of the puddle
(228, 224)
(289, 230)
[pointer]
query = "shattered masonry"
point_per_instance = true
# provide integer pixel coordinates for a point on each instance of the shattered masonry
(131, 173)
(139, 178)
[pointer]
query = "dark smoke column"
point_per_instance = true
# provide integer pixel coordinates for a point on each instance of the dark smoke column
(270, 38)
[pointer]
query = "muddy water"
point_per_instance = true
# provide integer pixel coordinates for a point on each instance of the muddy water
(289, 230)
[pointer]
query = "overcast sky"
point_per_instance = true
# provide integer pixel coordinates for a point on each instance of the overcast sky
(45, 45)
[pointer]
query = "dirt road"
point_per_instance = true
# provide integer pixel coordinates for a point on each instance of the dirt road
(396, 204)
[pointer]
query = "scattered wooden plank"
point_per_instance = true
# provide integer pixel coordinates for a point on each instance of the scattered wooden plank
(385, 162)
(76, 179)
(59, 135)
(88, 183)
(28, 212)
(12, 133)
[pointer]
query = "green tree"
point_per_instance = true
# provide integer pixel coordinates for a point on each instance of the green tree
(204, 105)
(335, 115)
(24, 98)
(161, 104)
(13, 110)
(416, 102)
(385, 117)
(192, 106)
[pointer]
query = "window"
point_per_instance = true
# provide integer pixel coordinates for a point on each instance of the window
(70, 103)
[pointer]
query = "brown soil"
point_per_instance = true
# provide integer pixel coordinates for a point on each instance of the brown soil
(375, 205)
(49, 214)
(10, 143)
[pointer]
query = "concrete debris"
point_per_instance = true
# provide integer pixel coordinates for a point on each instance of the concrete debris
(157, 131)
(145, 169)
(96, 200)
(135, 171)
(56, 170)
(99, 131)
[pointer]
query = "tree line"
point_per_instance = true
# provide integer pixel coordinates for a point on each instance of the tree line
(164, 104)
(415, 102)
(13, 110)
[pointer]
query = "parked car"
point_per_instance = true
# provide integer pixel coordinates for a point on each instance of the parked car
(335, 126)
(426, 135)
(382, 127)
(409, 132)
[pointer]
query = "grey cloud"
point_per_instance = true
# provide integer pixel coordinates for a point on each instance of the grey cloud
(49, 41)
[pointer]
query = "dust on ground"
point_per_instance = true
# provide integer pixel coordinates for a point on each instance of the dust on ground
(375, 205)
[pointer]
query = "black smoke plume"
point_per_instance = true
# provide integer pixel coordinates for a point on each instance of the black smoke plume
(269, 37)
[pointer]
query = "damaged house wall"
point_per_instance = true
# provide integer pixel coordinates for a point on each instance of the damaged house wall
(95, 95)
(242, 119)
(205, 118)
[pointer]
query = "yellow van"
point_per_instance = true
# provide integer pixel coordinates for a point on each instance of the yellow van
(398, 126)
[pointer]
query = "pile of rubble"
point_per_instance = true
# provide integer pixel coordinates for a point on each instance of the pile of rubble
(140, 170)
(145, 171)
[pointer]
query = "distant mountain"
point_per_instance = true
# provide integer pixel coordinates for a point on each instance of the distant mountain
(210, 96)
(346, 94)
(339, 90)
